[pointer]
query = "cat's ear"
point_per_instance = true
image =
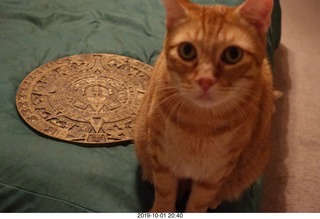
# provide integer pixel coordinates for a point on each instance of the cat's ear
(175, 11)
(258, 13)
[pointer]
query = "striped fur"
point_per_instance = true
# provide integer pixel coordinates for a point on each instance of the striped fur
(216, 135)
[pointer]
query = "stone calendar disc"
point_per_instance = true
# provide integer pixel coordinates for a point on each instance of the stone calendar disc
(89, 98)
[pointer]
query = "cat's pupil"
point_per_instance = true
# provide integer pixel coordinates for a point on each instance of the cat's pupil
(187, 51)
(232, 55)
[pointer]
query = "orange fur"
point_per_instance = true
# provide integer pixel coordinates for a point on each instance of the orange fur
(204, 119)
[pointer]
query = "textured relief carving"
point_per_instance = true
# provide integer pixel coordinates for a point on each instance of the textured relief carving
(89, 98)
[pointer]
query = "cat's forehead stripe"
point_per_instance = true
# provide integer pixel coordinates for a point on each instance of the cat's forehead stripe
(235, 36)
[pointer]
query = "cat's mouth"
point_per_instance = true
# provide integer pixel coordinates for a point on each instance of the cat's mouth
(204, 100)
(204, 97)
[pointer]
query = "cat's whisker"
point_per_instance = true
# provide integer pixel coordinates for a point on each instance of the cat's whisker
(240, 101)
(175, 108)
(169, 98)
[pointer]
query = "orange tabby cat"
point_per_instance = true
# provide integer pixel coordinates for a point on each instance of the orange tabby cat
(207, 112)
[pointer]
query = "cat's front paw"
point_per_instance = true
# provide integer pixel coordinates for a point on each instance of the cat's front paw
(159, 209)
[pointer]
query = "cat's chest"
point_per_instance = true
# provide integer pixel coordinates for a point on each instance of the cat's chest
(198, 156)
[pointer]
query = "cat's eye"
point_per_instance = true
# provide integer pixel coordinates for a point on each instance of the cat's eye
(187, 51)
(232, 55)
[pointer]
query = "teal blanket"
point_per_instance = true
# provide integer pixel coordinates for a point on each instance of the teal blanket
(38, 174)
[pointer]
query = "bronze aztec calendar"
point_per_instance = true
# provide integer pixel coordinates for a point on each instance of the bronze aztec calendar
(89, 98)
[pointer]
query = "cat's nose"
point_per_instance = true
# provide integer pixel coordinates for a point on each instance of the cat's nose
(206, 83)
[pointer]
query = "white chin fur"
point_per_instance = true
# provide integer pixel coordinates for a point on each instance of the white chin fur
(203, 100)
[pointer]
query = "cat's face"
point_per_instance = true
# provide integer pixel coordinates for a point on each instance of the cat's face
(214, 56)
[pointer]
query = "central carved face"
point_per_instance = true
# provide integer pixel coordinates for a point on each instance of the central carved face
(97, 94)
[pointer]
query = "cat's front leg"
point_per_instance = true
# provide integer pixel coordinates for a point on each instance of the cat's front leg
(166, 186)
(202, 196)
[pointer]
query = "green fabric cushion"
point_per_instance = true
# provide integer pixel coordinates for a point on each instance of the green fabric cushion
(38, 174)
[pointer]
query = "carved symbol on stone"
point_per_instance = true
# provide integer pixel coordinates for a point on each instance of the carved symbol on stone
(89, 98)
